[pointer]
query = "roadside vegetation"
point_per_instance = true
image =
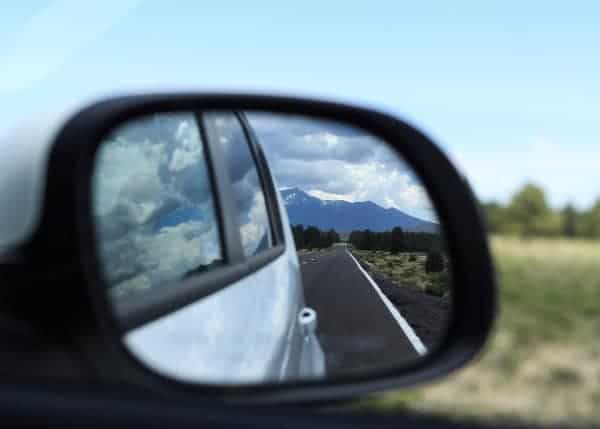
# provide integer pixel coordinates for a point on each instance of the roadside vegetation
(543, 363)
(396, 241)
(528, 214)
(409, 259)
(426, 272)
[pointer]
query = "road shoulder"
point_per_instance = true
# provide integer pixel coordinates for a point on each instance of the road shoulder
(428, 315)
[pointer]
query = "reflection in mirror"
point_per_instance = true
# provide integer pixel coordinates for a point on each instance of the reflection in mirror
(154, 209)
(359, 284)
(250, 207)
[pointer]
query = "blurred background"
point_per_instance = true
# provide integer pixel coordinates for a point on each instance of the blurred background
(508, 89)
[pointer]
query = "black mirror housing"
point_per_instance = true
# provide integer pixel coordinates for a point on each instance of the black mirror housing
(75, 313)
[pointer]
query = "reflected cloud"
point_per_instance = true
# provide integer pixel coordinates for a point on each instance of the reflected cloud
(155, 216)
(337, 162)
(250, 202)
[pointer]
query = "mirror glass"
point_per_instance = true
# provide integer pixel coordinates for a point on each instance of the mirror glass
(244, 248)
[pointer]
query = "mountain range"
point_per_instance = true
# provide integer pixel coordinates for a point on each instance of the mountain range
(344, 216)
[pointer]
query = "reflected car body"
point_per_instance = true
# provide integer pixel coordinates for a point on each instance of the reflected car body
(260, 311)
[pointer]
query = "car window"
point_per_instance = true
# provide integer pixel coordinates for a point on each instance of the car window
(153, 204)
(250, 206)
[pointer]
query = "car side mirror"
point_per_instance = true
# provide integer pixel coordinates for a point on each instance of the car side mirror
(254, 248)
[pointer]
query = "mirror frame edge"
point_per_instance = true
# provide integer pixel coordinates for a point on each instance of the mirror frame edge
(69, 174)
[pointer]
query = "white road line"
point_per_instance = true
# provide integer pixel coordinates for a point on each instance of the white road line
(408, 331)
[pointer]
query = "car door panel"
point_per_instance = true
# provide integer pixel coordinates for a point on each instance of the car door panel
(260, 312)
(249, 331)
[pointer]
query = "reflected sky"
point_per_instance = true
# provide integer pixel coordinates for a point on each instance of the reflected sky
(152, 202)
(334, 161)
(250, 203)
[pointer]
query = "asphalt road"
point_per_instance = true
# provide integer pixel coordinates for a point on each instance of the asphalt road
(357, 331)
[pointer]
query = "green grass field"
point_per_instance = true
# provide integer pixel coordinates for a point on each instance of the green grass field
(543, 363)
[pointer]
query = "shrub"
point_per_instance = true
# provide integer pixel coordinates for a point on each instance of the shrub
(434, 262)
(435, 289)
(439, 284)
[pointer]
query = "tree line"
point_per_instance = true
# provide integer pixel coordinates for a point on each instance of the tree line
(396, 241)
(393, 241)
(312, 237)
(528, 214)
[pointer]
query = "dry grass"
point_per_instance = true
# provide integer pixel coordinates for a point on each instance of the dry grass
(543, 363)
(405, 270)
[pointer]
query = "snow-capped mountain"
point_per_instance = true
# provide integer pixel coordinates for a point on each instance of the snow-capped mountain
(344, 216)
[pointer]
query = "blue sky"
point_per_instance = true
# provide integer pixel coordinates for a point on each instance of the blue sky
(510, 89)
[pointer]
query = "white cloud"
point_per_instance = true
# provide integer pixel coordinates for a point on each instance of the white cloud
(189, 151)
(256, 227)
(142, 259)
(388, 184)
(337, 162)
(322, 195)
(153, 202)
(148, 169)
(116, 171)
